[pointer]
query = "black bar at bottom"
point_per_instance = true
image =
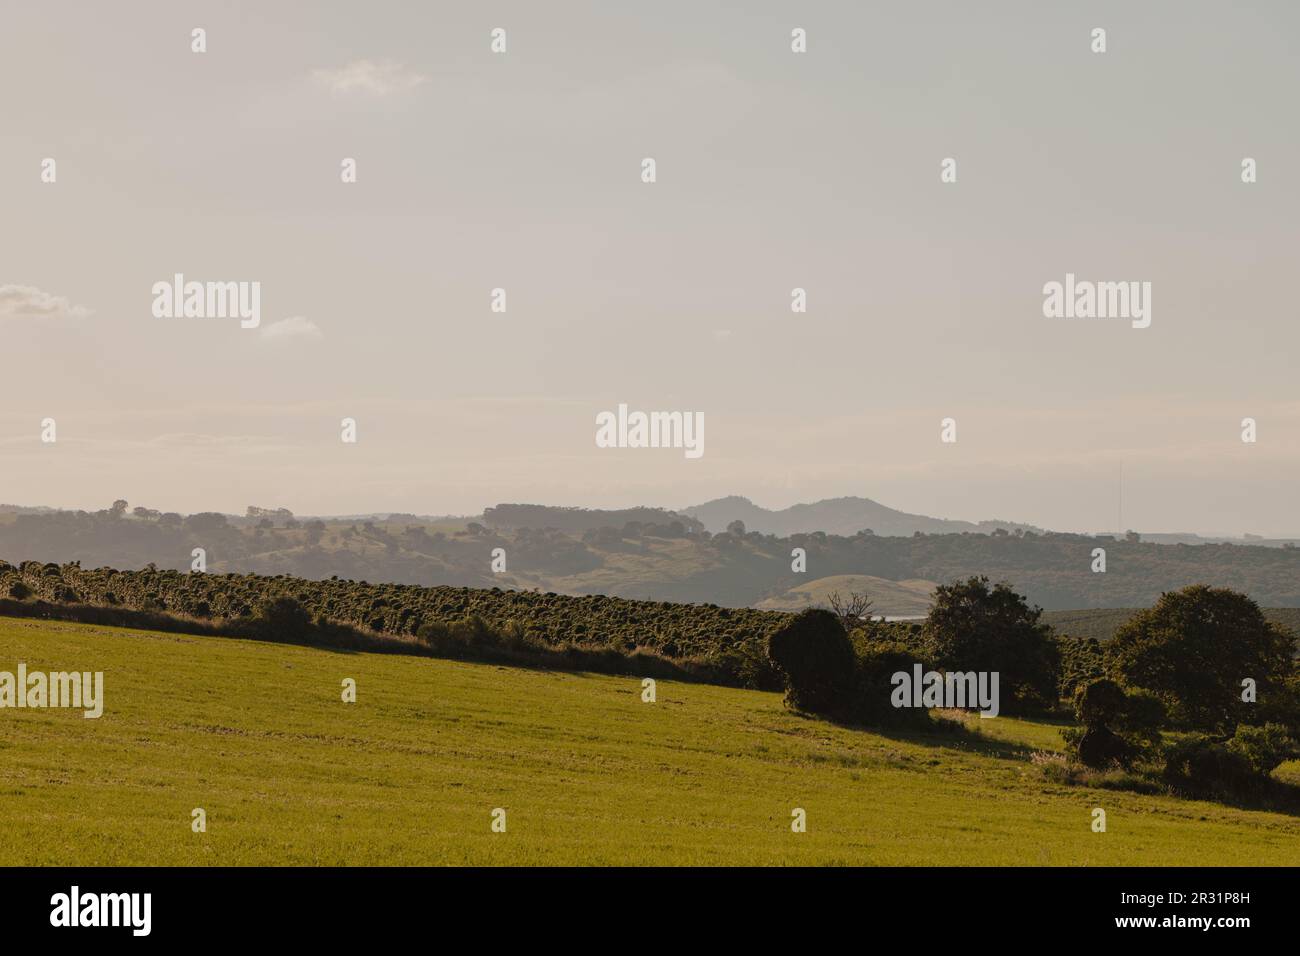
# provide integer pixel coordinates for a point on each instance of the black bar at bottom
(367, 905)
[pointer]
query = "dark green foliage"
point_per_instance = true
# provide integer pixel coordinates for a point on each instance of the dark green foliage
(284, 619)
(1201, 765)
(816, 656)
(1265, 747)
(1082, 661)
(975, 627)
(1194, 648)
(826, 675)
(1280, 704)
(878, 662)
(610, 635)
(1101, 747)
(731, 640)
(1099, 702)
(1119, 726)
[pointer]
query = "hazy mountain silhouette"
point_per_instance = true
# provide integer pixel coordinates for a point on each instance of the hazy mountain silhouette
(844, 516)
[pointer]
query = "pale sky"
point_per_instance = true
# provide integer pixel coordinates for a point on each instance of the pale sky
(775, 170)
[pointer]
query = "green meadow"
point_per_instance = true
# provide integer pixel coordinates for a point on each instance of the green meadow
(258, 736)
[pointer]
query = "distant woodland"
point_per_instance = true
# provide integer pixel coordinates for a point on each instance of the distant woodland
(642, 553)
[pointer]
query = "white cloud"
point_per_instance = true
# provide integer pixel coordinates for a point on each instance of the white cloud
(294, 327)
(25, 301)
(376, 77)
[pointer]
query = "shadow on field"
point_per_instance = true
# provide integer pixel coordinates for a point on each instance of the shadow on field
(943, 732)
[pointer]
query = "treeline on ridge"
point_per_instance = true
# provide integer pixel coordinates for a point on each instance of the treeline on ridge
(662, 558)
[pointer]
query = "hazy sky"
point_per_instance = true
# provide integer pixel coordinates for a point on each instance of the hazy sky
(775, 170)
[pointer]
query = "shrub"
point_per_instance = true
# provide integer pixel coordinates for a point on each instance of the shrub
(283, 619)
(816, 657)
(1236, 766)
(827, 675)
(877, 664)
(1264, 748)
(1100, 747)
(1119, 726)
(438, 637)
(1203, 765)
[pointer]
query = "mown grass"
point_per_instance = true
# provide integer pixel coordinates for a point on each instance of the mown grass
(257, 735)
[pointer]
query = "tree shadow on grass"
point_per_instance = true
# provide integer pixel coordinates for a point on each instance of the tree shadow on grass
(940, 732)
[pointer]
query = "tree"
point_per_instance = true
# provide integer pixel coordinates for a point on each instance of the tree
(206, 522)
(1194, 648)
(118, 509)
(736, 528)
(852, 609)
(816, 657)
(975, 627)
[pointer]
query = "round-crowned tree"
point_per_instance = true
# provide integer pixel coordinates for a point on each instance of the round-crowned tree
(977, 627)
(1194, 648)
(817, 659)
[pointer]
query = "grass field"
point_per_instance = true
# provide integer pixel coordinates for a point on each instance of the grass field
(257, 735)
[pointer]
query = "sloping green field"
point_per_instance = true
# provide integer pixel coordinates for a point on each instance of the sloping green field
(257, 735)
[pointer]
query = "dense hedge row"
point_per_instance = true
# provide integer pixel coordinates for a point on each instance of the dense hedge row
(726, 636)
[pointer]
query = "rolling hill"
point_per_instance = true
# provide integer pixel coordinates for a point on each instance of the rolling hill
(910, 598)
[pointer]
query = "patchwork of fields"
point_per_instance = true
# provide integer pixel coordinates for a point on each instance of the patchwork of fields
(257, 735)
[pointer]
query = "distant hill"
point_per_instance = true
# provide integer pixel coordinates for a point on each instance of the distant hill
(659, 559)
(843, 516)
(910, 598)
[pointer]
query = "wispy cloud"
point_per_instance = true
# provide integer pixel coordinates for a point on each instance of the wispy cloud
(372, 77)
(294, 327)
(25, 301)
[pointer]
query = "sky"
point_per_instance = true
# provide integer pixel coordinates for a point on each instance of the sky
(775, 170)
